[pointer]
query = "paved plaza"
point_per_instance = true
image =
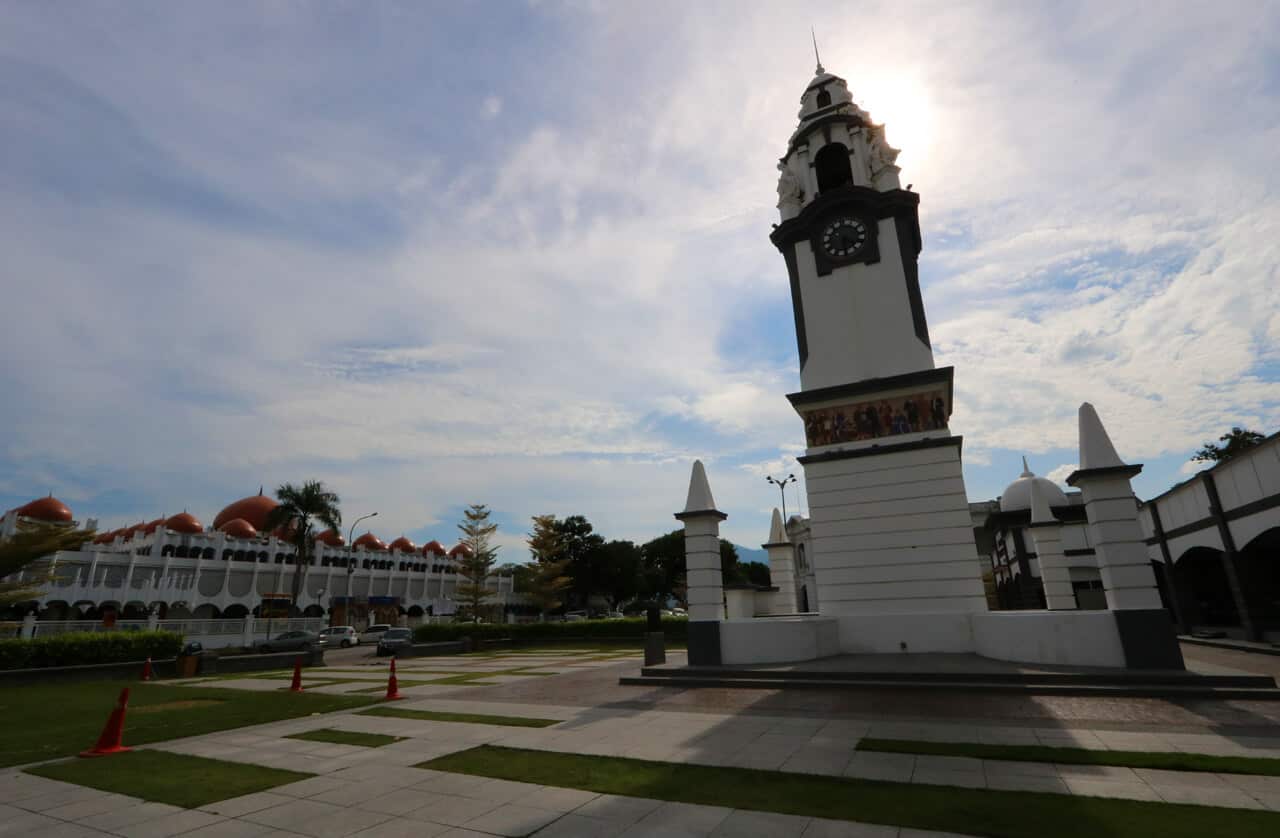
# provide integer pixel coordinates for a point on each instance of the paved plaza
(376, 792)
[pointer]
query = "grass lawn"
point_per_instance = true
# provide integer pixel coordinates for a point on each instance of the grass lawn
(1170, 761)
(45, 721)
(470, 718)
(1001, 814)
(176, 779)
(347, 737)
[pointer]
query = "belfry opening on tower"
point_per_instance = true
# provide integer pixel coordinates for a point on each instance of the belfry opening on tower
(831, 164)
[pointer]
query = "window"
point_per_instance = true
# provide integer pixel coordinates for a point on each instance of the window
(832, 167)
(824, 98)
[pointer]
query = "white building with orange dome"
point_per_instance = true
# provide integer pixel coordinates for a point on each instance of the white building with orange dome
(175, 567)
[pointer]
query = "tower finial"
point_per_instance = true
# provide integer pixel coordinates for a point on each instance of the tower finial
(1026, 469)
(816, 58)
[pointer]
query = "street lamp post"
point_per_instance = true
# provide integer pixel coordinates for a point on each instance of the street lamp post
(782, 487)
(351, 560)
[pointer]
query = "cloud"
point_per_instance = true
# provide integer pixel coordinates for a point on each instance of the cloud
(1059, 475)
(556, 311)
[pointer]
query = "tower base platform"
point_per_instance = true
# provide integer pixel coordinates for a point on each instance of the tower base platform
(959, 673)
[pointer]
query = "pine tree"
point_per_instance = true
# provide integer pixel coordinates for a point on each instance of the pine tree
(546, 577)
(33, 541)
(477, 559)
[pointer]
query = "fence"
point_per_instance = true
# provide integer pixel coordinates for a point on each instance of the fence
(211, 633)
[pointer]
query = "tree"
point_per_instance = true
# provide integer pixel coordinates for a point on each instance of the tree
(298, 506)
(663, 565)
(618, 572)
(1234, 443)
(478, 557)
(545, 577)
(581, 546)
(757, 573)
(33, 541)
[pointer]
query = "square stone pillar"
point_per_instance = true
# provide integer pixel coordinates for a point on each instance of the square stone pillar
(704, 579)
(1146, 629)
(1046, 537)
(782, 567)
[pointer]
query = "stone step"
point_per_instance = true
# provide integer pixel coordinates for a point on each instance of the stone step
(1134, 689)
(1086, 677)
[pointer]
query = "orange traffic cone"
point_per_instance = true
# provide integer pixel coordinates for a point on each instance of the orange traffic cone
(146, 670)
(296, 686)
(109, 741)
(393, 689)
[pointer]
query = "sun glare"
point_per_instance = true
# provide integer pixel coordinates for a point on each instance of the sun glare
(901, 103)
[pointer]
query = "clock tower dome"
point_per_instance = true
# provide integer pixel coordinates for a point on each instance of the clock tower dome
(889, 515)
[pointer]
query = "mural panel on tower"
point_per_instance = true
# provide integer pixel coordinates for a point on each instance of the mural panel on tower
(872, 418)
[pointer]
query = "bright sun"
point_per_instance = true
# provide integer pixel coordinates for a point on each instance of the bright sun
(901, 103)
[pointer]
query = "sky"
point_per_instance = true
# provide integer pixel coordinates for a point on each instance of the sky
(517, 254)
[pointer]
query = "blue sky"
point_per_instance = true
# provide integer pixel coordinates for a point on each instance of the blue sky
(517, 253)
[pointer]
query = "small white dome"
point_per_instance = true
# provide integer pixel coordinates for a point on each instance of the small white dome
(1017, 495)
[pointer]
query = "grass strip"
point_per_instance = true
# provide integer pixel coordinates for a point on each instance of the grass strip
(347, 737)
(46, 721)
(999, 814)
(1167, 760)
(162, 777)
(469, 718)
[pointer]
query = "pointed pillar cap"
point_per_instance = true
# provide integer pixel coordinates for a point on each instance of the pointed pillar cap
(700, 501)
(1097, 453)
(777, 532)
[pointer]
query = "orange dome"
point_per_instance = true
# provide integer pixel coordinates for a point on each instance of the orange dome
(239, 528)
(136, 529)
(404, 545)
(433, 548)
(151, 526)
(46, 509)
(331, 538)
(185, 523)
(253, 509)
(370, 542)
(459, 549)
(104, 537)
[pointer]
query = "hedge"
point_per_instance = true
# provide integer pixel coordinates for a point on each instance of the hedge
(77, 648)
(633, 627)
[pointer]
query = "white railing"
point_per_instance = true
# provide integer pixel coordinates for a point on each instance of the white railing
(187, 628)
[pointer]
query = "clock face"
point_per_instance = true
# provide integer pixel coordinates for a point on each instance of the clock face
(844, 237)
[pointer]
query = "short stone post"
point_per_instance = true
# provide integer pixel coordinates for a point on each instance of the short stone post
(29, 626)
(655, 641)
(703, 577)
(153, 621)
(246, 639)
(782, 567)
(1046, 536)
(1146, 631)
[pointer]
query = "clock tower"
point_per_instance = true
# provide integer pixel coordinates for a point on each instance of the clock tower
(889, 516)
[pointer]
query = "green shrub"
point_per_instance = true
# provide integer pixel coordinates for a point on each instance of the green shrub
(635, 627)
(86, 647)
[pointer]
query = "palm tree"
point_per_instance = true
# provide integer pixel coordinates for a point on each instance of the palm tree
(298, 506)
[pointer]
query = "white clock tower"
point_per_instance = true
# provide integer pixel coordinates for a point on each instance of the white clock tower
(890, 522)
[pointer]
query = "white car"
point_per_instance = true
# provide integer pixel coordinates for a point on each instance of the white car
(340, 636)
(374, 632)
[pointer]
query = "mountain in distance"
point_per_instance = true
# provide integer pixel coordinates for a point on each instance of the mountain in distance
(746, 554)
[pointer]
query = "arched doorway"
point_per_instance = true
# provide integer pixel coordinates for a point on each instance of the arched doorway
(1203, 588)
(1260, 578)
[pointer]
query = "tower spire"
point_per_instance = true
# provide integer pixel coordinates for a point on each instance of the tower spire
(816, 57)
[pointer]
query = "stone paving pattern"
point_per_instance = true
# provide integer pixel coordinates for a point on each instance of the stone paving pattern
(375, 792)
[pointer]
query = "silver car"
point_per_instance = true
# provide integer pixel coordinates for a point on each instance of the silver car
(290, 641)
(339, 636)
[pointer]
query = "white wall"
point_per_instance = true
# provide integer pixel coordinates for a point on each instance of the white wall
(1076, 638)
(886, 633)
(778, 640)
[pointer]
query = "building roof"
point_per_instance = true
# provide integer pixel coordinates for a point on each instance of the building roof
(185, 523)
(253, 509)
(46, 509)
(1017, 495)
(239, 528)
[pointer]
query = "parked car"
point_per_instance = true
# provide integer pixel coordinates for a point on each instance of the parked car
(575, 616)
(374, 632)
(394, 640)
(290, 641)
(341, 636)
